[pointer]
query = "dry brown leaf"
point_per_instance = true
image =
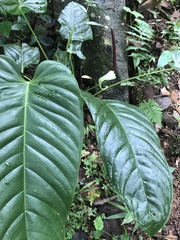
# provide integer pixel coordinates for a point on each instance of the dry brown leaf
(174, 96)
(175, 15)
(165, 92)
(166, 4)
(149, 4)
(171, 236)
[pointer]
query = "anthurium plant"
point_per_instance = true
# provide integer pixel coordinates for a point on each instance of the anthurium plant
(41, 136)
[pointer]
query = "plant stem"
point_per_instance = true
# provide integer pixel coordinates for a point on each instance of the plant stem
(114, 51)
(33, 33)
(132, 78)
(70, 54)
(26, 78)
(71, 63)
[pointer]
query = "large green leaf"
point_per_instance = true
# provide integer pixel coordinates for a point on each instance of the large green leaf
(16, 7)
(132, 155)
(23, 55)
(75, 27)
(40, 145)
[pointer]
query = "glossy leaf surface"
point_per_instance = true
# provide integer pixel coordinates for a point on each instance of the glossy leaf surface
(132, 155)
(40, 144)
(75, 27)
(16, 7)
(23, 55)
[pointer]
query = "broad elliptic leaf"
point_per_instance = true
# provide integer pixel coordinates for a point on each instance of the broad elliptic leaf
(74, 27)
(23, 55)
(16, 7)
(40, 144)
(132, 156)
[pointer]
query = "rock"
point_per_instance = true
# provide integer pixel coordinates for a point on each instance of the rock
(169, 121)
(80, 236)
(111, 226)
(99, 51)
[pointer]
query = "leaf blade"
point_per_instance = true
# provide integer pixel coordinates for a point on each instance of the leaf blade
(74, 27)
(40, 155)
(23, 55)
(132, 156)
(15, 7)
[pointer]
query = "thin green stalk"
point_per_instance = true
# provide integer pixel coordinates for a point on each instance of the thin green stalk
(26, 78)
(70, 54)
(132, 78)
(33, 33)
(97, 85)
(71, 63)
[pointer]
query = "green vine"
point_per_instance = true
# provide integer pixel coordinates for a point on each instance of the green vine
(34, 35)
(129, 79)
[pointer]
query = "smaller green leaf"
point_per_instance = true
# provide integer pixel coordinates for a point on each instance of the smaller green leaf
(15, 7)
(97, 234)
(117, 216)
(62, 57)
(118, 206)
(136, 14)
(171, 58)
(2, 10)
(172, 169)
(135, 48)
(46, 40)
(164, 59)
(20, 25)
(75, 48)
(23, 56)
(38, 6)
(74, 20)
(98, 223)
(128, 218)
(177, 28)
(107, 77)
(145, 28)
(75, 27)
(153, 110)
(176, 60)
(137, 57)
(125, 236)
(5, 28)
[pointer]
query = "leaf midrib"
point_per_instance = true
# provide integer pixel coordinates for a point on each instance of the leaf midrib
(24, 146)
(136, 163)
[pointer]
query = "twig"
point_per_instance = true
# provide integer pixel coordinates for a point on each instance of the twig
(105, 200)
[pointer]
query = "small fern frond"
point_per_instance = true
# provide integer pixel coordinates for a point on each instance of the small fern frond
(153, 111)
